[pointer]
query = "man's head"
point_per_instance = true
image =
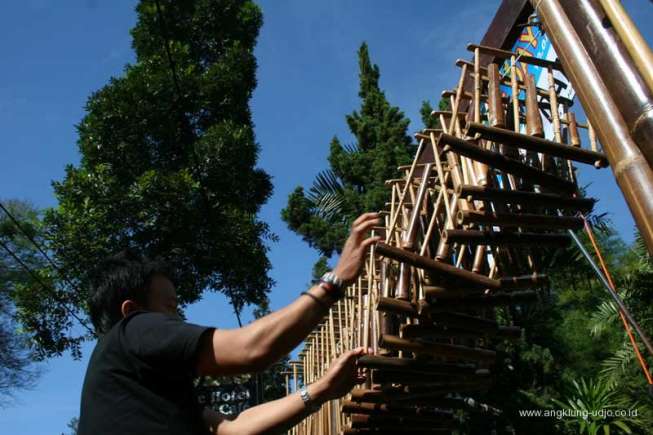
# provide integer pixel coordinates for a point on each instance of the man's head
(128, 282)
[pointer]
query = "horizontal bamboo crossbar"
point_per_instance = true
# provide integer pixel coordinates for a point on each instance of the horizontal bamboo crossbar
(460, 275)
(390, 431)
(453, 351)
(537, 144)
(503, 163)
(436, 380)
(472, 192)
(534, 280)
(468, 217)
(432, 331)
(411, 365)
(397, 306)
(501, 238)
(362, 395)
(485, 300)
(505, 54)
(385, 421)
(352, 407)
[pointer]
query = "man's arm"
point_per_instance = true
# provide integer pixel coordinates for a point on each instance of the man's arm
(280, 415)
(264, 341)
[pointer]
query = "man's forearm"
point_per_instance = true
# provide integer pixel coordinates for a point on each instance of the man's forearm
(276, 334)
(269, 418)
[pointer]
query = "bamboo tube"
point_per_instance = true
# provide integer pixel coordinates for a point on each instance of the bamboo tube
(592, 136)
(440, 170)
(459, 93)
(553, 99)
(515, 93)
(479, 167)
(629, 34)
(533, 118)
(403, 194)
(294, 377)
(573, 130)
(477, 85)
(497, 114)
(411, 233)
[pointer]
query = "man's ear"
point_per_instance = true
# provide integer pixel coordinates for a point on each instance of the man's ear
(129, 306)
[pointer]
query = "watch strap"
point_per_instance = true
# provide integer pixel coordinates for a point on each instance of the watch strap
(307, 399)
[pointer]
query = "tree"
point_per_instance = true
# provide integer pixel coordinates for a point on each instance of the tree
(168, 158)
(355, 183)
(17, 370)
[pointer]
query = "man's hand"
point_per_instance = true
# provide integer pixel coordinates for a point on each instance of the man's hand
(340, 378)
(353, 253)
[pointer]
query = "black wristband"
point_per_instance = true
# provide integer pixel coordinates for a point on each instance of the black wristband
(334, 292)
(316, 299)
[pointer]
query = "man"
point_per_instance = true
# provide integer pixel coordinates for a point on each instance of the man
(139, 378)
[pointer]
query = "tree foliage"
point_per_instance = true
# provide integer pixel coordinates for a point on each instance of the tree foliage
(168, 158)
(17, 369)
(355, 181)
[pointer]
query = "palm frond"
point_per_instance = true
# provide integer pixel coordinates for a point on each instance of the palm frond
(615, 366)
(351, 148)
(603, 318)
(326, 195)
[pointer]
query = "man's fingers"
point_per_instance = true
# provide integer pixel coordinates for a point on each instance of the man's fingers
(370, 241)
(366, 225)
(364, 217)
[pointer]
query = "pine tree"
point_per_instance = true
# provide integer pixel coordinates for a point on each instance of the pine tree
(355, 182)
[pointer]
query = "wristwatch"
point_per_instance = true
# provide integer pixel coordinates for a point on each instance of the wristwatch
(332, 284)
(310, 404)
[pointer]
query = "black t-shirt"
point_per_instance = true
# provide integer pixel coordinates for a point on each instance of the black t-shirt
(139, 379)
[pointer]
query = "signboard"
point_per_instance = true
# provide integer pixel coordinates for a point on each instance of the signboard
(227, 399)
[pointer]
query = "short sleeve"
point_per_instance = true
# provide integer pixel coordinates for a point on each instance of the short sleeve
(159, 338)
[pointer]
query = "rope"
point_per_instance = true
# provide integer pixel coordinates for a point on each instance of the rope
(608, 276)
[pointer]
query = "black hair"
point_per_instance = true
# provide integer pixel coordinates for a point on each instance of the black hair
(125, 275)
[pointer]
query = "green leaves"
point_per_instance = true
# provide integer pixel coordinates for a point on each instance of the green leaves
(594, 407)
(168, 166)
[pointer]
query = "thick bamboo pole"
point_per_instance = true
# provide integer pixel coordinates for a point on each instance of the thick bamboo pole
(632, 172)
(610, 55)
(636, 44)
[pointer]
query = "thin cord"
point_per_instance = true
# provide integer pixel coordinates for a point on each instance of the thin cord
(38, 247)
(45, 286)
(615, 297)
(607, 274)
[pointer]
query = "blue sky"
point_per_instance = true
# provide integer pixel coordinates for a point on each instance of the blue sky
(55, 53)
